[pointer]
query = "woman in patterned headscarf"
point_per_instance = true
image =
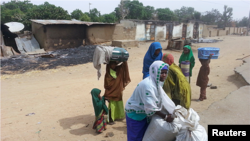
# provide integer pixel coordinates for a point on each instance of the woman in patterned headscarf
(176, 85)
(148, 99)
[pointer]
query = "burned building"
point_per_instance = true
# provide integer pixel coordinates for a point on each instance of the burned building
(59, 34)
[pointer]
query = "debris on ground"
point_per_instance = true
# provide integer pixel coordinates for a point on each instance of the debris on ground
(38, 131)
(30, 114)
(203, 40)
(109, 134)
(48, 56)
(51, 60)
(213, 87)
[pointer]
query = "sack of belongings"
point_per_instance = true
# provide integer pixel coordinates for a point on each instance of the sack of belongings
(185, 127)
(160, 130)
(191, 130)
(105, 54)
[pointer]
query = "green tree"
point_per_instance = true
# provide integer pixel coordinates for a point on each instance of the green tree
(46, 11)
(117, 13)
(109, 18)
(197, 15)
(85, 17)
(24, 6)
(227, 16)
(184, 14)
(148, 13)
(14, 11)
(95, 15)
(212, 17)
(165, 14)
(76, 14)
(136, 10)
(243, 22)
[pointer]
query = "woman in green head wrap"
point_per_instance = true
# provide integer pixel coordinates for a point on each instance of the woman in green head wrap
(187, 55)
(100, 109)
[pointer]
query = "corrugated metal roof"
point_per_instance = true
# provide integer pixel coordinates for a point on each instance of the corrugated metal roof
(47, 22)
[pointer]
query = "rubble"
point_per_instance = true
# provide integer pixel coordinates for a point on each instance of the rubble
(63, 57)
(203, 40)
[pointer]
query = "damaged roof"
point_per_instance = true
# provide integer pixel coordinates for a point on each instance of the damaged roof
(50, 22)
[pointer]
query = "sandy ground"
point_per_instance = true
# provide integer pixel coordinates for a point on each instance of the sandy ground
(61, 100)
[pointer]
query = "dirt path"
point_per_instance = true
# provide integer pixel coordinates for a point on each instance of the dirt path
(61, 100)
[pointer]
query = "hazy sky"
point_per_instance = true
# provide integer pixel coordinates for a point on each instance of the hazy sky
(241, 8)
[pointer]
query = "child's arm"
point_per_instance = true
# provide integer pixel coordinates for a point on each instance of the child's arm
(209, 57)
(105, 108)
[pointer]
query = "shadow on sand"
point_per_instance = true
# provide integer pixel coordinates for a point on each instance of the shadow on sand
(85, 120)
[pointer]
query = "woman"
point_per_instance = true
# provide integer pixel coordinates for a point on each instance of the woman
(187, 55)
(148, 99)
(154, 53)
(115, 81)
(100, 109)
(202, 79)
(176, 85)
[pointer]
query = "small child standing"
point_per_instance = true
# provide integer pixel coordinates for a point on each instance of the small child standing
(100, 110)
(202, 79)
(187, 55)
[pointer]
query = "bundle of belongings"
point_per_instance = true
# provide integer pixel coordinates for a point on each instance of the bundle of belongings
(185, 127)
(105, 54)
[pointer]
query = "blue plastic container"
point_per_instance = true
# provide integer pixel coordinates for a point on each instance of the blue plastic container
(204, 52)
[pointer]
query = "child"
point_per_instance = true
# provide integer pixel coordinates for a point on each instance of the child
(202, 79)
(100, 110)
(187, 55)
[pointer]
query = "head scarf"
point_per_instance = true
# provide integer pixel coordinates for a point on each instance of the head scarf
(149, 57)
(188, 56)
(98, 104)
(149, 96)
(168, 58)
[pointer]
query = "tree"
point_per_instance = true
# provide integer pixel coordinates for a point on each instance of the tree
(117, 13)
(185, 14)
(109, 18)
(76, 14)
(85, 17)
(243, 22)
(148, 13)
(197, 15)
(122, 10)
(95, 15)
(227, 16)
(136, 10)
(212, 17)
(165, 14)
(14, 11)
(46, 11)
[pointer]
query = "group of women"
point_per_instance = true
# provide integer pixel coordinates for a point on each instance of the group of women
(161, 78)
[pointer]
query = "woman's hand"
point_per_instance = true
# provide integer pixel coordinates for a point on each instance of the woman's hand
(169, 118)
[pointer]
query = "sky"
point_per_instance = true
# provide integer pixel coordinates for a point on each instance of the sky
(241, 8)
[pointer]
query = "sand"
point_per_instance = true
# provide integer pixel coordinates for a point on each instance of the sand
(61, 100)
